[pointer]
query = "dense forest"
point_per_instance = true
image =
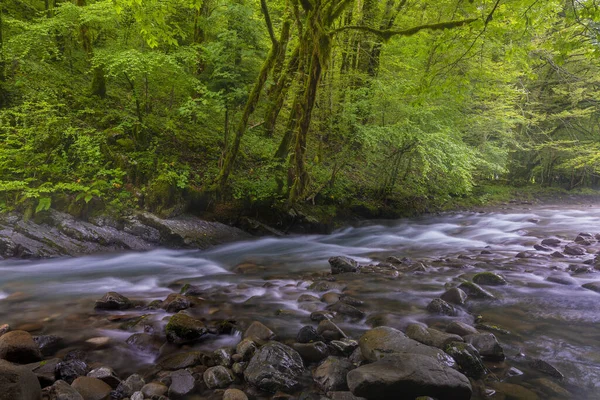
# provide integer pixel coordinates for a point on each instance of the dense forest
(177, 104)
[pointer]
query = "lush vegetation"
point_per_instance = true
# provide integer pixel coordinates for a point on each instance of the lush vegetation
(171, 104)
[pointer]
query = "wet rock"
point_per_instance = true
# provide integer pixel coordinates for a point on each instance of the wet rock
(308, 334)
(595, 286)
(91, 388)
(487, 345)
(19, 347)
(177, 361)
(274, 367)
(546, 368)
(468, 359)
(137, 396)
(330, 331)
(460, 328)
(513, 391)
(246, 349)
(558, 254)
(454, 296)
(475, 291)
(540, 247)
(18, 383)
(581, 269)
(323, 286)
(69, 370)
(113, 301)
(583, 241)
(183, 328)
(346, 309)
(234, 394)
(413, 375)
(344, 346)
(4, 328)
(562, 279)
(61, 390)
(49, 344)
(321, 315)
(175, 303)
(522, 254)
(492, 328)
(144, 343)
(489, 279)
(552, 387)
(105, 374)
(182, 384)
(218, 377)
(574, 250)
(330, 375)
(439, 306)
(312, 352)
(330, 298)
(431, 337)
(551, 242)
(259, 333)
(129, 386)
(342, 264)
(223, 356)
(238, 368)
(44, 370)
(152, 389)
(381, 341)
(306, 298)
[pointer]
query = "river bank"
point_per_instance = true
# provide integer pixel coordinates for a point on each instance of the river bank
(545, 315)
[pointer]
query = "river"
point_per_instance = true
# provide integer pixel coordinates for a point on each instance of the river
(552, 321)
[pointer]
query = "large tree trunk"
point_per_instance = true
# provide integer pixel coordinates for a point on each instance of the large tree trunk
(279, 93)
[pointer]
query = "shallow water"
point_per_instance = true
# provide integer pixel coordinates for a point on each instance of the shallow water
(558, 323)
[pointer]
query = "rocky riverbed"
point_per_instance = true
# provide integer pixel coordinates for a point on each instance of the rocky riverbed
(482, 306)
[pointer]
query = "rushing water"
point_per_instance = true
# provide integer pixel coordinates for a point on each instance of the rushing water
(558, 323)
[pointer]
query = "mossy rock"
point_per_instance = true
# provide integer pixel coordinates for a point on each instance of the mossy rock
(183, 328)
(489, 279)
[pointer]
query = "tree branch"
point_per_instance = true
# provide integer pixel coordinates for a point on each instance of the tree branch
(386, 34)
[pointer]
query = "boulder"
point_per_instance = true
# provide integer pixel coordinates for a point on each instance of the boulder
(61, 390)
(275, 367)
(431, 337)
(551, 242)
(381, 341)
(113, 301)
(574, 250)
(218, 377)
(19, 347)
(308, 334)
(154, 389)
(346, 309)
(177, 361)
(69, 370)
(107, 375)
(145, 343)
(412, 375)
(460, 328)
(312, 352)
(562, 279)
(454, 296)
(223, 356)
(183, 328)
(330, 331)
(439, 306)
(475, 291)
(49, 344)
(595, 286)
(330, 375)
(18, 383)
(234, 394)
(246, 349)
(92, 388)
(344, 346)
(259, 333)
(489, 279)
(182, 384)
(129, 386)
(467, 358)
(546, 368)
(175, 303)
(340, 265)
(487, 345)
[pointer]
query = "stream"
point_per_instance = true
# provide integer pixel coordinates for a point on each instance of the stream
(262, 279)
